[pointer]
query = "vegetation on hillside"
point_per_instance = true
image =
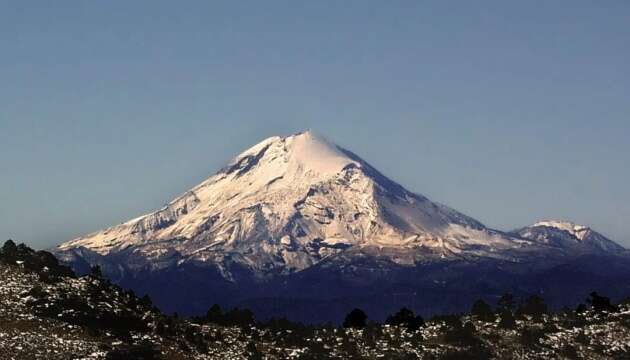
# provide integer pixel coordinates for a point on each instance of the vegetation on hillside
(48, 313)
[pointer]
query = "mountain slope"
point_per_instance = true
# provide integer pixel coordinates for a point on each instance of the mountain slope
(297, 220)
(568, 235)
(287, 203)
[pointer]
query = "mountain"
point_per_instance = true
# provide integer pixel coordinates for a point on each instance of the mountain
(565, 234)
(299, 221)
(287, 203)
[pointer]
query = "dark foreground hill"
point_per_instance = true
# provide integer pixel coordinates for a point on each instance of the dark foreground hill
(48, 313)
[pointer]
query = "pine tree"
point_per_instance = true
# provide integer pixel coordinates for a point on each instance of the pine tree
(483, 311)
(506, 302)
(601, 303)
(9, 250)
(355, 319)
(96, 272)
(507, 319)
(534, 306)
(405, 317)
(214, 314)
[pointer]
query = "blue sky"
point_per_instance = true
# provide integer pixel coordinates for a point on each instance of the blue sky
(507, 111)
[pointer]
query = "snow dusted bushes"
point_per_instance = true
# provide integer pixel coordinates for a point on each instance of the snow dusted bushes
(43, 263)
(130, 327)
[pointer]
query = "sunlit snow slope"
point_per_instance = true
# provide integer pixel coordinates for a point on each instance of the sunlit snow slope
(286, 204)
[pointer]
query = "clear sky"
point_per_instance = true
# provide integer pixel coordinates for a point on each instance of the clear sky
(507, 111)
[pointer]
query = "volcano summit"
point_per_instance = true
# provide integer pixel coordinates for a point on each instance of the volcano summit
(298, 219)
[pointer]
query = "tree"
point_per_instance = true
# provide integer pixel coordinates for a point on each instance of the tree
(355, 319)
(253, 352)
(405, 317)
(506, 302)
(534, 306)
(461, 334)
(601, 303)
(483, 311)
(146, 301)
(530, 337)
(372, 333)
(9, 250)
(238, 317)
(581, 309)
(47, 260)
(96, 272)
(507, 319)
(349, 347)
(214, 314)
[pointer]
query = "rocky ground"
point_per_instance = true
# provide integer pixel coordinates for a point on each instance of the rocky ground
(46, 313)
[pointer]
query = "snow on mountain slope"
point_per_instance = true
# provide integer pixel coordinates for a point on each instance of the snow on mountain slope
(578, 231)
(567, 235)
(286, 204)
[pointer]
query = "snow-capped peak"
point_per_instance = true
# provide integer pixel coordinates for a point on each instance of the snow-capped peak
(316, 153)
(291, 157)
(288, 203)
(572, 228)
(568, 235)
(312, 152)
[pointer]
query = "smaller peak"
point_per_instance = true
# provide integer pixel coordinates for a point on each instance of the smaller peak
(561, 225)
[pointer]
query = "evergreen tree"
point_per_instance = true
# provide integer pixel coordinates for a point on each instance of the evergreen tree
(252, 351)
(580, 309)
(483, 311)
(461, 334)
(238, 317)
(214, 314)
(96, 272)
(601, 303)
(146, 301)
(534, 306)
(372, 333)
(355, 319)
(506, 302)
(9, 250)
(507, 319)
(530, 337)
(405, 317)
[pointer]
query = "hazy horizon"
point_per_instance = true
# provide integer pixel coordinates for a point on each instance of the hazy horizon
(509, 113)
